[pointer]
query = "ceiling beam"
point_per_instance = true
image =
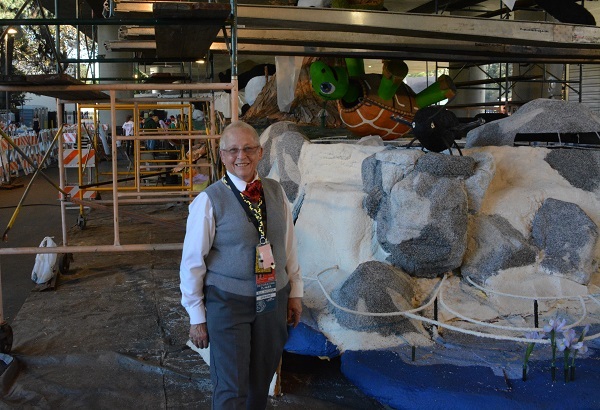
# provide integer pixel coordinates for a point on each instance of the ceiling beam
(446, 5)
(512, 32)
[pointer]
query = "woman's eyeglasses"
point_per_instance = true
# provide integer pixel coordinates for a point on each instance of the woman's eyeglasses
(234, 152)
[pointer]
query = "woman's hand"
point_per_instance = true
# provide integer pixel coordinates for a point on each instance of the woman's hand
(199, 335)
(294, 311)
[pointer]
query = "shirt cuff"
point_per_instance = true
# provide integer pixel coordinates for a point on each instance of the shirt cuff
(297, 290)
(197, 315)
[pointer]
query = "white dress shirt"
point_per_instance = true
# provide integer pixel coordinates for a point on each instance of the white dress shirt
(199, 236)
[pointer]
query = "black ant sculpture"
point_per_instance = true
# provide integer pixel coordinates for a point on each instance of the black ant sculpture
(436, 128)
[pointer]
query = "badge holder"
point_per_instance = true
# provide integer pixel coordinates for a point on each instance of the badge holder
(266, 286)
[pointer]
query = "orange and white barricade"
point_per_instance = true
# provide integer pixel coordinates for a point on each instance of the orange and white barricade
(70, 137)
(76, 192)
(71, 158)
(12, 161)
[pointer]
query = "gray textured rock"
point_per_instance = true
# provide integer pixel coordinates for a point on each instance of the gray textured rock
(371, 177)
(371, 173)
(396, 164)
(298, 205)
(494, 244)
(372, 202)
(282, 144)
(371, 140)
(580, 167)
(541, 115)
(568, 238)
(442, 165)
(375, 287)
(423, 224)
(477, 185)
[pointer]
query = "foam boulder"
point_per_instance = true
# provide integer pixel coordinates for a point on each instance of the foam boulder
(423, 224)
(420, 205)
(441, 165)
(376, 287)
(282, 143)
(568, 237)
(580, 167)
(537, 116)
(494, 245)
(478, 183)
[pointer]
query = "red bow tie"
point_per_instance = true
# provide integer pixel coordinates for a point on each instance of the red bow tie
(253, 191)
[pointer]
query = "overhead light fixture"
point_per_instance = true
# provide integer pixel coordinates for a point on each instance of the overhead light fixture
(201, 61)
(12, 31)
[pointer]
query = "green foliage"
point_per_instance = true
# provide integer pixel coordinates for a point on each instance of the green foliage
(34, 45)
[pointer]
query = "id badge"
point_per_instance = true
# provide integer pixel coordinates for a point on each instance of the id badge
(266, 292)
(265, 262)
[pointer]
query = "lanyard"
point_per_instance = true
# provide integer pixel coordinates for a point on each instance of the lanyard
(257, 213)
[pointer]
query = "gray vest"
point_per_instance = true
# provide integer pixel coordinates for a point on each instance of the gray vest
(231, 259)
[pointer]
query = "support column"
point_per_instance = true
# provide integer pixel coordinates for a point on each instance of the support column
(471, 95)
(467, 96)
(113, 70)
(551, 76)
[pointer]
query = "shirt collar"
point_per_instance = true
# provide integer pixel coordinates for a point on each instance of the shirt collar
(240, 184)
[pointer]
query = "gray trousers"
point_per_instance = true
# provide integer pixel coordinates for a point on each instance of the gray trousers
(245, 348)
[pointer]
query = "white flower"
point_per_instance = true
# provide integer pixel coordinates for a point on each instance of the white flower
(555, 324)
(535, 335)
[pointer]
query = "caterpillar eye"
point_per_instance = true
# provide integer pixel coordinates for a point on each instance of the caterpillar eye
(327, 88)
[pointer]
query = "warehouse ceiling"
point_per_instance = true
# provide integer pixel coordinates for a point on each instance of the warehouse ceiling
(193, 30)
(270, 30)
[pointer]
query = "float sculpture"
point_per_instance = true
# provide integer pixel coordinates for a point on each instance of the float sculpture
(372, 104)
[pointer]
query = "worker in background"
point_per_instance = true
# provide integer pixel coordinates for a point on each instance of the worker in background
(36, 124)
(162, 124)
(198, 119)
(151, 123)
(173, 125)
(128, 130)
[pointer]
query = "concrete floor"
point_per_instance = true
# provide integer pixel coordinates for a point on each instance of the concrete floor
(38, 217)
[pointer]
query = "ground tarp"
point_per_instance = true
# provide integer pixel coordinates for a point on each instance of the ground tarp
(113, 334)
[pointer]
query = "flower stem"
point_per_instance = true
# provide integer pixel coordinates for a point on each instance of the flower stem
(566, 365)
(572, 368)
(553, 343)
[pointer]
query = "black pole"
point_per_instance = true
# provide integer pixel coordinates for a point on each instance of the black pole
(123, 180)
(535, 313)
(435, 311)
(9, 43)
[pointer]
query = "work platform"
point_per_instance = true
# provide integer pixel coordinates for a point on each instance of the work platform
(56, 85)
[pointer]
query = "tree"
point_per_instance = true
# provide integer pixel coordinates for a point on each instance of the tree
(32, 49)
(35, 50)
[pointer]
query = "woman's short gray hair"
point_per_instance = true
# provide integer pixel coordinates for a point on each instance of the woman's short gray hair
(231, 129)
